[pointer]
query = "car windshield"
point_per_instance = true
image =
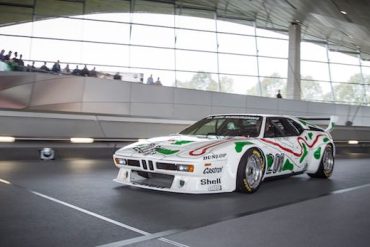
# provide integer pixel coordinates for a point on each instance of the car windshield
(248, 126)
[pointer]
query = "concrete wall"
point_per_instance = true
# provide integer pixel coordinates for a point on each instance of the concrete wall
(37, 91)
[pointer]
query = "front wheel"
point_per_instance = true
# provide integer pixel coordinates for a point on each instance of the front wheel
(250, 171)
(326, 165)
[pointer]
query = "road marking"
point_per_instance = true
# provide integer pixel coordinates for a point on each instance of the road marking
(173, 242)
(117, 223)
(139, 239)
(4, 181)
(350, 189)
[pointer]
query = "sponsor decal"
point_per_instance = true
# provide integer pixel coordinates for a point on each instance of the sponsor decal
(206, 181)
(213, 170)
(146, 149)
(216, 187)
(152, 148)
(275, 163)
(214, 156)
(235, 116)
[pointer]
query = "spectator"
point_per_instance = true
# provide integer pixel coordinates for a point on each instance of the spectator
(158, 82)
(2, 55)
(44, 68)
(76, 71)
(15, 58)
(93, 73)
(150, 80)
(85, 71)
(117, 76)
(31, 68)
(56, 67)
(7, 57)
(278, 95)
(66, 69)
(20, 61)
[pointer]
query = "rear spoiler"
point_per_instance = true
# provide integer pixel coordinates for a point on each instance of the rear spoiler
(314, 121)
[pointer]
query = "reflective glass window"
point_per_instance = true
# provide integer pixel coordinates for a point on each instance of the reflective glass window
(345, 73)
(273, 67)
(313, 51)
(271, 85)
(272, 47)
(195, 40)
(65, 51)
(339, 57)
(349, 93)
(239, 84)
(233, 27)
(316, 90)
(105, 54)
(63, 28)
(21, 45)
(272, 34)
(106, 32)
(197, 80)
(231, 43)
(152, 36)
(237, 64)
(314, 71)
(196, 61)
(155, 58)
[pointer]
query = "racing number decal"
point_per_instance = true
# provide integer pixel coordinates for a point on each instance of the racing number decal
(275, 163)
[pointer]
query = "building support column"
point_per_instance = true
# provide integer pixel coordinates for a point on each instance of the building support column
(294, 62)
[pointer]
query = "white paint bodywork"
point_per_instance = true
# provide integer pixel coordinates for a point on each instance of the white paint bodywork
(282, 156)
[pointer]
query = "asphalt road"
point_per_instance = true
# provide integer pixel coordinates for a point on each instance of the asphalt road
(76, 203)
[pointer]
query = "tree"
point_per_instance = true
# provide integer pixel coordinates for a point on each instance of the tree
(201, 81)
(311, 89)
(226, 84)
(269, 86)
(204, 81)
(352, 91)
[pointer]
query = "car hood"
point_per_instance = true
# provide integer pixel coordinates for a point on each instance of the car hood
(177, 147)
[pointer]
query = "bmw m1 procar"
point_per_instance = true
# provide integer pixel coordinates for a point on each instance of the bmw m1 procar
(224, 153)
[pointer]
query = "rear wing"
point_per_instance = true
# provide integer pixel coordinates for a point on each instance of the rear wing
(320, 121)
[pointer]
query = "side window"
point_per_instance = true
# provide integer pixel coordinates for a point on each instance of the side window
(274, 128)
(296, 128)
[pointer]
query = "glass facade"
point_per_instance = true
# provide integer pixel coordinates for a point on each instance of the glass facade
(201, 51)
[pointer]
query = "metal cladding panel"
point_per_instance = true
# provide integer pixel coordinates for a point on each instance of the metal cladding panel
(229, 100)
(142, 93)
(58, 90)
(192, 97)
(96, 90)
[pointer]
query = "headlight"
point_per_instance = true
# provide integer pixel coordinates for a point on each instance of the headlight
(185, 168)
(120, 162)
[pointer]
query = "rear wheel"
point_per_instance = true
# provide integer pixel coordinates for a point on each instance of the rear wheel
(326, 165)
(250, 171)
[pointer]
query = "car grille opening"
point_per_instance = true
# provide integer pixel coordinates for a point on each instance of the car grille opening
(154, 180)
(133, 163)
(166, 166)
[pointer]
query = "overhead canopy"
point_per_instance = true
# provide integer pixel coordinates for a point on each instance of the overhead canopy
(320, 19)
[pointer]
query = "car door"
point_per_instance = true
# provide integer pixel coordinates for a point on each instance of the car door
(284, 150)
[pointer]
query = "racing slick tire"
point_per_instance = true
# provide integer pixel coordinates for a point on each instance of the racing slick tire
(250, 171)
(326, 164)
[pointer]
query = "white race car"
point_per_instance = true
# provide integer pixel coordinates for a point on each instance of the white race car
(223, 153)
